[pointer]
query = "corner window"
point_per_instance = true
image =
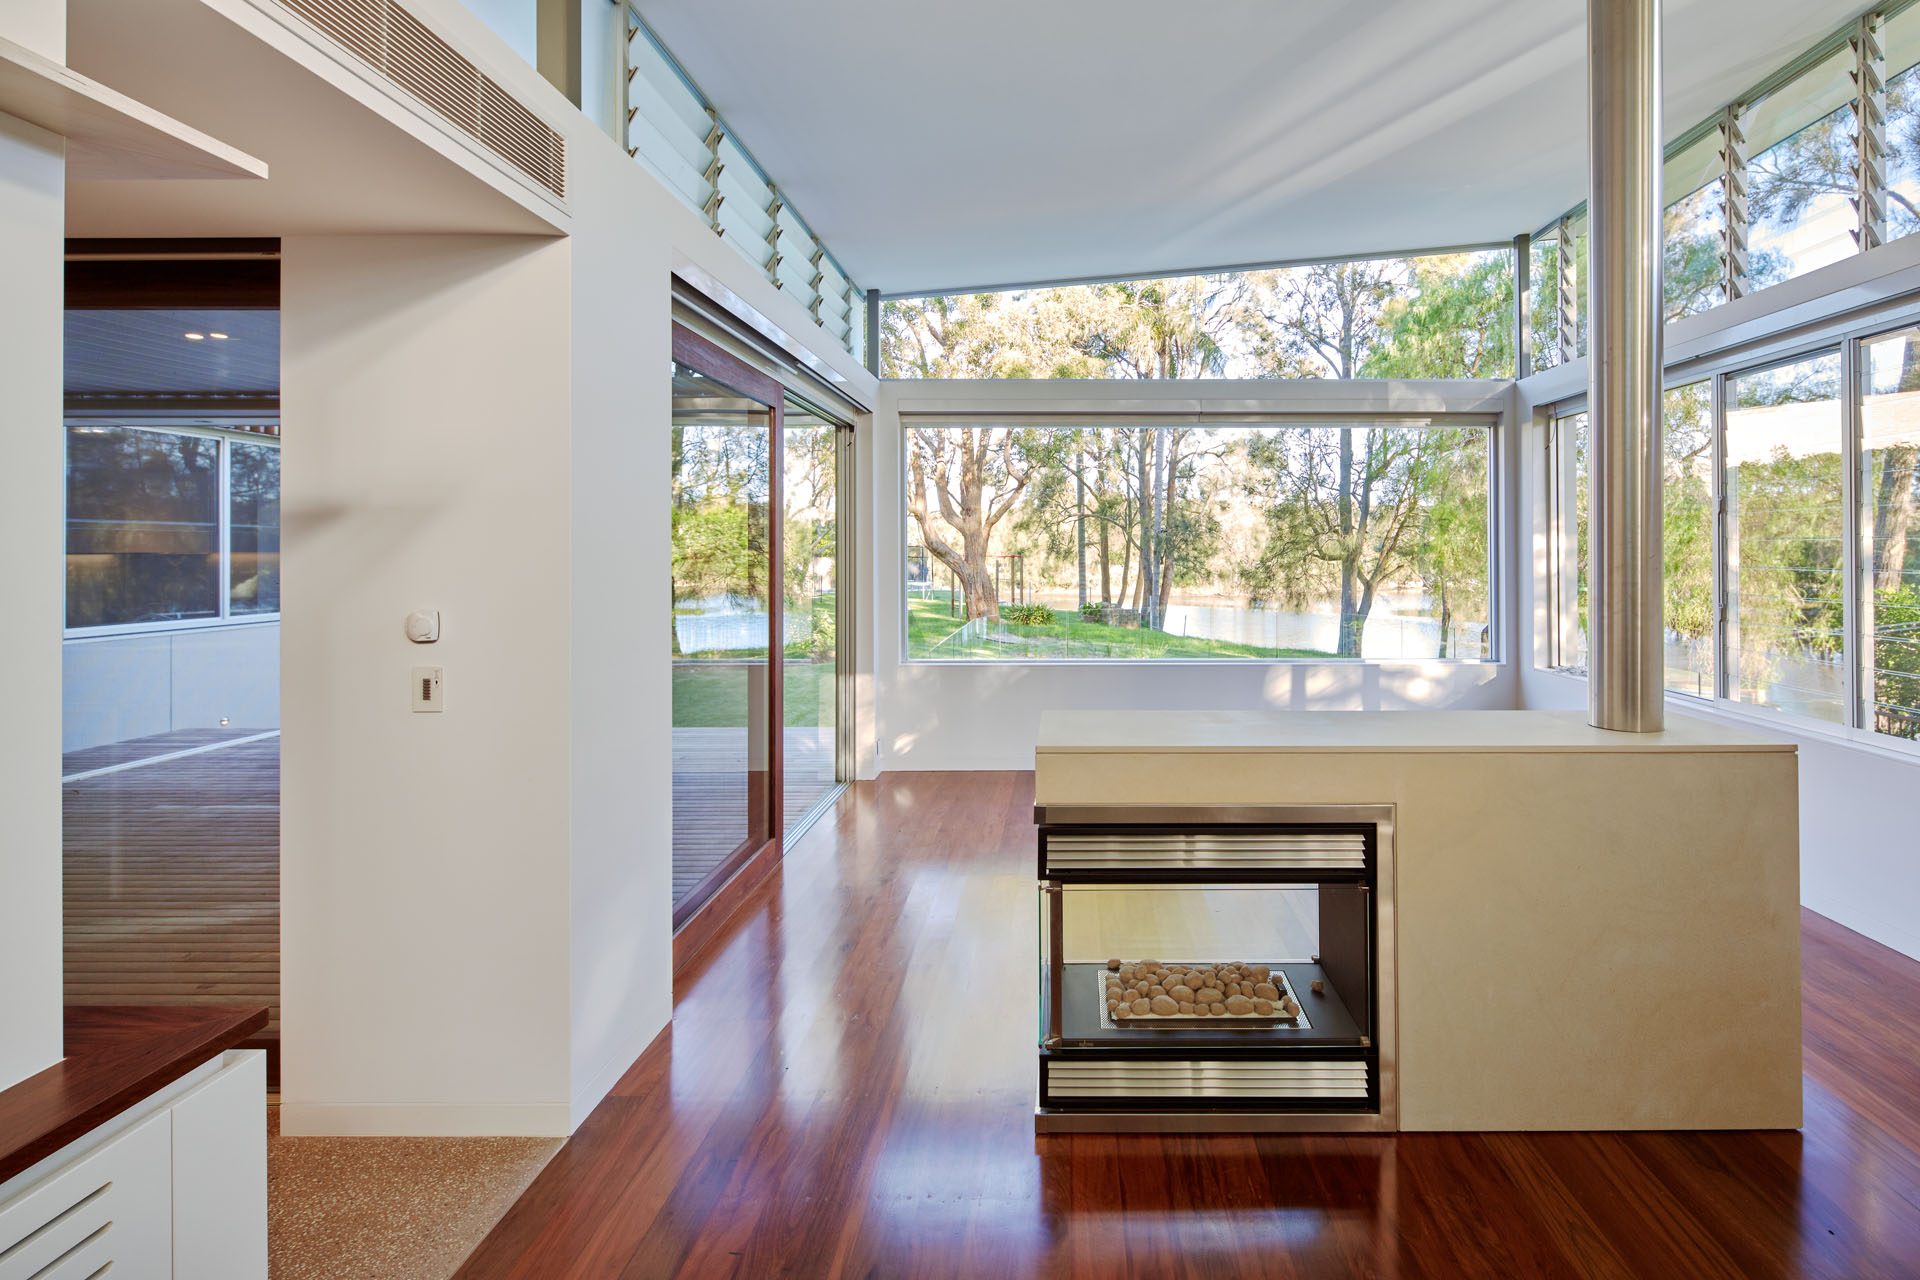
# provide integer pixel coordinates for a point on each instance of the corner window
(1890, 443)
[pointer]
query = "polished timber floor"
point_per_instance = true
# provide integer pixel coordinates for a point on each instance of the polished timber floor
(847, 1090)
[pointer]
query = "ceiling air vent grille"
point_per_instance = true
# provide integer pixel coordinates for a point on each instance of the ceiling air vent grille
(404, 50)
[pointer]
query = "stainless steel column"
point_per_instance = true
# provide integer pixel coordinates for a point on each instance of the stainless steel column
(1626, 665)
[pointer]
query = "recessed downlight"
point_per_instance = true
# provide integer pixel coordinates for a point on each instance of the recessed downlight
(196, 337)
(217, 337)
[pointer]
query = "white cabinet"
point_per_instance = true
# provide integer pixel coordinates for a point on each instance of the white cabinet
(220, 1174)
(173, 1189)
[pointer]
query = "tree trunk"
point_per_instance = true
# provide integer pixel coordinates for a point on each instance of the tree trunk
(1156, 601)
(976, 578)
(1168, 477)
(1106, 565)
(1351, 622)
(1080, 518)
(1143, 510)
(1893, 516)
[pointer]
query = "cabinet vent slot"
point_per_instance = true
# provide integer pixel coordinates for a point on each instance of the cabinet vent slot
(58, 1269)
(1131, 1078)
(405, 50)
(1346, 850)
(17, 1248)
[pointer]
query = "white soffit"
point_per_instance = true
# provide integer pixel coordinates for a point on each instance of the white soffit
(942, 145)
(337, 165)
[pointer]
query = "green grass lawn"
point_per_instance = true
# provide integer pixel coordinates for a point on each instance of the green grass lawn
(716, 696)
(930, 621)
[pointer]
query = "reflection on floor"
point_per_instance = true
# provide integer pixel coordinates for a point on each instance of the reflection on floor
(848, 1085)
(173, 872)
(710, 789)
(388, 1208)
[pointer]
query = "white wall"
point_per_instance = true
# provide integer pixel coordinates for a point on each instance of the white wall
(32, 205)
(131, 686)
(629, 234)
(478, 927)
(621, 891)
(424, 857)
(986, 715)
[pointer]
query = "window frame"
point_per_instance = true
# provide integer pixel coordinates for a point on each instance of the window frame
(1849, 338)
(225, 434)
(1493, 423)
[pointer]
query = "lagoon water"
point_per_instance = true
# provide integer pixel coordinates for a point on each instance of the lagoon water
(1388, 636)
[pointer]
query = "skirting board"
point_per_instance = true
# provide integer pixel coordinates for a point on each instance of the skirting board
(424, 1120)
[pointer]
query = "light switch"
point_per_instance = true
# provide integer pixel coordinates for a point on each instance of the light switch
(426, 688)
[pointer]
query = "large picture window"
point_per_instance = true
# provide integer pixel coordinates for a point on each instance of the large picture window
(1324, 540)
(168, 527)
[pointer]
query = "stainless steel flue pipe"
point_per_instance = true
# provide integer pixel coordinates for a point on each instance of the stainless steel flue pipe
(1625, 665)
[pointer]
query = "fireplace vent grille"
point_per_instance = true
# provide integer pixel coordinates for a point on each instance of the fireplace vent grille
(400, 47)
(1216, 849)
(1157, 1078)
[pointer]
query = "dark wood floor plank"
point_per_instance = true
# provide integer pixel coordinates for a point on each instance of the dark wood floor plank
(847, 1091)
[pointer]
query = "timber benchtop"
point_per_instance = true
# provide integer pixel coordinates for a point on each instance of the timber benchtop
(116, 1055)
(1373, 733)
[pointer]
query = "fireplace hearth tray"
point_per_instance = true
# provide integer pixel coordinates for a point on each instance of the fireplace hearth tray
(1286, 1011)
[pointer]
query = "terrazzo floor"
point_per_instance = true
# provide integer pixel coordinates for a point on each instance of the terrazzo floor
(388, 1208)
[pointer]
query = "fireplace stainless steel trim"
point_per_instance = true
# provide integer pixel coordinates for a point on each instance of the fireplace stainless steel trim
(1071, 815)
(1219, 849)
(1386, 989)
(1206, 1122)
(1206, 1079)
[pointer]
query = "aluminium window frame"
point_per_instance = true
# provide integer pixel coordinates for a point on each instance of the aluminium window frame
(1847, 335)
(1493, 423)
(202, 427)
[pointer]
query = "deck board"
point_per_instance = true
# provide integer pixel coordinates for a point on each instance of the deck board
(172, 893)
(710, 788)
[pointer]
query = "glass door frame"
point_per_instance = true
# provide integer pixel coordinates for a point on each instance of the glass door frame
(764, 818)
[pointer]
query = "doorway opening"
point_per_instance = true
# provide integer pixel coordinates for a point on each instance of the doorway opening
(170, 751)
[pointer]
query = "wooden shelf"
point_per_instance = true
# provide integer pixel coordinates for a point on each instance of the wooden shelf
(116, 1055)
(109, 135)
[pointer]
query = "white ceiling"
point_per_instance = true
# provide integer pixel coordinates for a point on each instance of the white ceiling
(999, 141)
(149, 352)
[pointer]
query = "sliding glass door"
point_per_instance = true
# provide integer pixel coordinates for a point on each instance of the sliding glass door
(725, 581)
(757, 686)
(810, 581)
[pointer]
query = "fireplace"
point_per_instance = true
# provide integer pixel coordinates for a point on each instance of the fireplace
(1216, 969)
